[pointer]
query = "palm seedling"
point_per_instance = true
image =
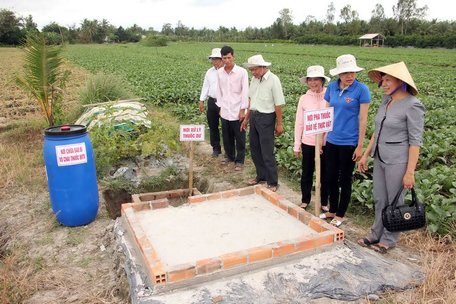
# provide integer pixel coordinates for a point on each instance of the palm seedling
(43, 78)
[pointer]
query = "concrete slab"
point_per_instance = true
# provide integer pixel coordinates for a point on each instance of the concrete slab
(219, 234)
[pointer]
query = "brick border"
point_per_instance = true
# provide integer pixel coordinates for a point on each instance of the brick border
(326, 235)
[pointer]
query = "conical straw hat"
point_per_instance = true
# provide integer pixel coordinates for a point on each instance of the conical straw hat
(398, 70)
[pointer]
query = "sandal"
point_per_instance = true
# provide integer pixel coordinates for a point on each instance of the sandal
(304, 205)
(326, 215)
(324, 209)
(365, 242)
(335, 222)
(273, 188)
(380, 248)
(254, 181)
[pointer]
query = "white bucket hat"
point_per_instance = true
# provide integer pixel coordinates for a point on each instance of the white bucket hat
(345, 63)
(398, 70)
(215, 53)
(256, 60)
(314, 71)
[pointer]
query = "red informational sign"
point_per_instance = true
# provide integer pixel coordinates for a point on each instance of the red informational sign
(318, 121)
(69, 155)
(192, 133)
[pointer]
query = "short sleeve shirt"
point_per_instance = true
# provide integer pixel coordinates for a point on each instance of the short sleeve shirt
(266, 93)
(346, 103)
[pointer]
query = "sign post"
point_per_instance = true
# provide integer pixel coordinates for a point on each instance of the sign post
(191, 133)
(318, 122)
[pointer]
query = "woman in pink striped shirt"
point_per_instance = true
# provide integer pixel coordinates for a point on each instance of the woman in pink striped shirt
(313, 99)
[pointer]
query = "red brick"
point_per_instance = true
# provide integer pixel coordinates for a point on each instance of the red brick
(293, 211)
(214, 196)
(234, 259)
(326, 238)
(304, 216)
(160, 203)
(140, 206)
(283, 249)
(230, 193)
(305, 243)
(135, 198)
(259, 254)
(182, 274)
(283, 205)
(208, 266)
(317, 225)
(196, 199)
(246, 191)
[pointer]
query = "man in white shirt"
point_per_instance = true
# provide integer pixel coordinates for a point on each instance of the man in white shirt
(232, 98)
(209, 93)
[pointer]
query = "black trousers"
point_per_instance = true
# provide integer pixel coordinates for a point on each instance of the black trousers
(262, 128)
(213, 119)
(339, 174)
(233, 141)
(308, 168)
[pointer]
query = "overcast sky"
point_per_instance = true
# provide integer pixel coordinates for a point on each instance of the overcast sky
(202, 13)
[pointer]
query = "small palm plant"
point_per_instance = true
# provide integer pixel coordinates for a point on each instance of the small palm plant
(43, 77)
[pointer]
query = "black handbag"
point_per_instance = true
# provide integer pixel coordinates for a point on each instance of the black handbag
(405, 217)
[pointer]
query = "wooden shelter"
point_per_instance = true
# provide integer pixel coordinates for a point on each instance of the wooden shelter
(372, 40)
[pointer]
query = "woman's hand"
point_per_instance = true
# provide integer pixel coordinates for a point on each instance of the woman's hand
(297, 154)
(409, 180)
(362, 164)
(357, 154)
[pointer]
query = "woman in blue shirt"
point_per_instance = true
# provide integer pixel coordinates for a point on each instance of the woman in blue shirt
(350, 100)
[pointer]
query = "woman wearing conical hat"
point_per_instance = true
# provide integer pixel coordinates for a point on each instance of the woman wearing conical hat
(395, 146)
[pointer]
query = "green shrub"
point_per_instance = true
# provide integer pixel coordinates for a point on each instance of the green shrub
(154, 40)
(102, 87)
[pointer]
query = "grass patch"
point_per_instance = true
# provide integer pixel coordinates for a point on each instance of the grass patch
(22, 164)
(103, 87)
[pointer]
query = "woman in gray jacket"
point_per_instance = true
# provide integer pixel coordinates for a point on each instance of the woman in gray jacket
(395, 146)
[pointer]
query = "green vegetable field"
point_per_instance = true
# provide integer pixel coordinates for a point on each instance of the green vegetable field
(172, 76)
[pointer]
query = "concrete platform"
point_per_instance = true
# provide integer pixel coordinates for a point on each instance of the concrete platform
(219, 234)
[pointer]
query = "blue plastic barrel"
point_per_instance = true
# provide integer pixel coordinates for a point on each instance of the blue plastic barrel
(71, 174)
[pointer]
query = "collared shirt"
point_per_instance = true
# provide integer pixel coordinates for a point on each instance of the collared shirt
(346, 103)
(209, 88)
(232, 92)
(266, 93)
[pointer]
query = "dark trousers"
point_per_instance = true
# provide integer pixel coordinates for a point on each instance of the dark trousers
(213, 119)
(233, 141)
(308, 168)
(339, 174)
(262, 128)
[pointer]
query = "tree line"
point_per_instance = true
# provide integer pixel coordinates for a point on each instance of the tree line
(407, 27)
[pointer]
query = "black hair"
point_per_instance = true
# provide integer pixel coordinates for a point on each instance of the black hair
(227, 50)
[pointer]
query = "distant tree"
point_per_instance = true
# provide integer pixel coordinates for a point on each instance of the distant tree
(330, 13)
(286, 20)
(406, 10)
(121, 35)
(377, 19)
(348, 15)
(89, 30)
(29, 25)
(10, 28)
(167, 29)
(55, 33)
(181, 30)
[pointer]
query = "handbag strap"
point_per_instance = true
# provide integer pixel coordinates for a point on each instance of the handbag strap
(396, 198)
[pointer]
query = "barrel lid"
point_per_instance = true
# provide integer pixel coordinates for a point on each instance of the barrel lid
(65, 130)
